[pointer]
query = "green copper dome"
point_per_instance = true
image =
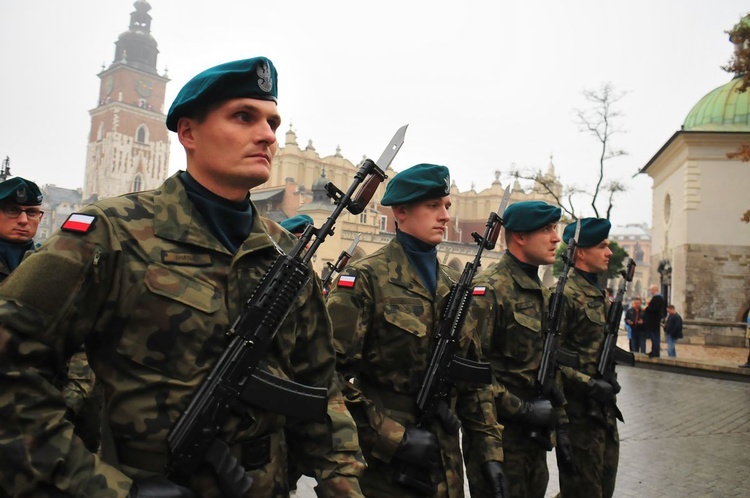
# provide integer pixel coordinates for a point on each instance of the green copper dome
(723, 109)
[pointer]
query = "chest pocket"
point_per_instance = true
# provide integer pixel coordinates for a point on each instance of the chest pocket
(169, 328)
(409, 316)
(523, 337)
(593, 328)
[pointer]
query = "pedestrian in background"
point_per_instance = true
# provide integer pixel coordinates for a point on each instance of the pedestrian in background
(672, 329)
(634, 318)
(652, 317)
(386, 309)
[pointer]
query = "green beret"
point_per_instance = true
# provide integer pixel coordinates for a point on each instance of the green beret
(296, 224)
(254, 78)
(420, 182)
(593, 231)
(21, 191)
(528, 216)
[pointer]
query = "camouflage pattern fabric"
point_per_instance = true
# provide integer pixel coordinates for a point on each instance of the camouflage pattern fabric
(150, 292)
(384, 326)
(83, 398)
(595, 446)
(511, 316)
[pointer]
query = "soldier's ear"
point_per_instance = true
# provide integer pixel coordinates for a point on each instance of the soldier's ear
(185, 132)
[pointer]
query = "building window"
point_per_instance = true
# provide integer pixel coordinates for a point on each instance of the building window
(100, 132)
(383, 223)
(137, 183)
(141, 135)
(667, 208)
(363, 218)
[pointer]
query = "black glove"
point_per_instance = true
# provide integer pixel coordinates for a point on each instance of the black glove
(231, 477)
(158, 487)
(493, 472)
(419, 448)
(616, 387)
(600, 390)
(564, 451)
(448, 418)
(538, 413)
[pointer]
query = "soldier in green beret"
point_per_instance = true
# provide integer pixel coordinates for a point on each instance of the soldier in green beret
(512, 304)
(385, 309)
(151, 282)
(593, 433)
(20, 214)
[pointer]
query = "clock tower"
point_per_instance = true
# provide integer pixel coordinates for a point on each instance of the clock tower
(128, 145)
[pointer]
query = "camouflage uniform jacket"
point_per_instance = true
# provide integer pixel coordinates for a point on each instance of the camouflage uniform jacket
(150, 292)
(383, 332)
(512, 315)
(582, 330)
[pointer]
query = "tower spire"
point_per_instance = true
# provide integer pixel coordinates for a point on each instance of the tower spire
(136, 47)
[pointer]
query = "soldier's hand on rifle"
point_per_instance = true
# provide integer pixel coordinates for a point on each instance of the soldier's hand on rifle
(158, 487)
(493, 472)
(538, 413)
(616, 387)
(600, 390)
(231, 476)
(448, 418)
(420, 448)
(564, 451)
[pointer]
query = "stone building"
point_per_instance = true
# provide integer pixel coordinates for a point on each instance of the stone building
(128, 145)
(700, 247)
(635, 239)
(57, 205)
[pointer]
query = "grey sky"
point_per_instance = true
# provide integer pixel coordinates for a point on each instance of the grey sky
(482, 84)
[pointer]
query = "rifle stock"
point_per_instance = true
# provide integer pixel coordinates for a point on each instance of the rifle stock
(235, 379)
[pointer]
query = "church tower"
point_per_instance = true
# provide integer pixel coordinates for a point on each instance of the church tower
(128, 145)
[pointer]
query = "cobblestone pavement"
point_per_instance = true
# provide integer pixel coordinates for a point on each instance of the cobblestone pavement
(683, 436)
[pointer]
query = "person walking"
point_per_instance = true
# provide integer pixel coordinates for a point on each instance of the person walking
(652, 317)
(386, 309)
(151, 283)
(672, 329)
(591, 406)
(512, 310)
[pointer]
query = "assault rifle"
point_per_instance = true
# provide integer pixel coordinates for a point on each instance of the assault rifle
(446, 368)
(339, 265)
(611, 353)
(552, 354)
(236, 380)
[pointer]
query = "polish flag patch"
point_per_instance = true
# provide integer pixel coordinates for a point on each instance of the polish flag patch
(479, 291)
(78, 223)
(347, 281)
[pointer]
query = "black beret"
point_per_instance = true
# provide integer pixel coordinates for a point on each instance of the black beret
(528, 216)
(296, 224)
(21, 191)
(420, 182)
(254, 78)
(593, 231)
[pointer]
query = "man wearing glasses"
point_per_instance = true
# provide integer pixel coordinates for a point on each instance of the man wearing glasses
(20, 214)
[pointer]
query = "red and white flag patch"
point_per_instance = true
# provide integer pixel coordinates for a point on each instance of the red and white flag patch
(479, 291)
(78, 223)
(347, 281)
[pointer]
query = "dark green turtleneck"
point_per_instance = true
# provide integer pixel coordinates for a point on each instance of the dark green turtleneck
(422, 256)
(230, 222)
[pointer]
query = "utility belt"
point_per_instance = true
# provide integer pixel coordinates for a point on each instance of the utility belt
(253, 454)
(387, 399)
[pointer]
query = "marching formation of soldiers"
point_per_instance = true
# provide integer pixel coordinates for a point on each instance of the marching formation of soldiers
(173, 294)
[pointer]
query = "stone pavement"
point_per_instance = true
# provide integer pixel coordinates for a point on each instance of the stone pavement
(684, 435)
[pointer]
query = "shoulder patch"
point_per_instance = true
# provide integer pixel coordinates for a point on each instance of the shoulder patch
(479, 291)
(78, 223)
(347, 281)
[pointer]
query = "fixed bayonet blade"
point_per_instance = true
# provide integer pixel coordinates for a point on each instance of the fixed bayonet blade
(352, 247)
(390, 152)
(504, 202)
(578, 230)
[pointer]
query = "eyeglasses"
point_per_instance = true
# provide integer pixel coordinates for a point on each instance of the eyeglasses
(14, 212)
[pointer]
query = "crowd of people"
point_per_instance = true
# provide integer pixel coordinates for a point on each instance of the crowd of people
(150, 282)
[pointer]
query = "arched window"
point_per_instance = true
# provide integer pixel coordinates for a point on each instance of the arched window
(141, 135)
(100, 132)
(137, 183)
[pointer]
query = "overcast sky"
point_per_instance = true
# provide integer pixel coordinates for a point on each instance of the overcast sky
(483, 85)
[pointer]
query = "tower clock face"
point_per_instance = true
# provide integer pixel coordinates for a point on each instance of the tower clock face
(144, 87)
(109, 84)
